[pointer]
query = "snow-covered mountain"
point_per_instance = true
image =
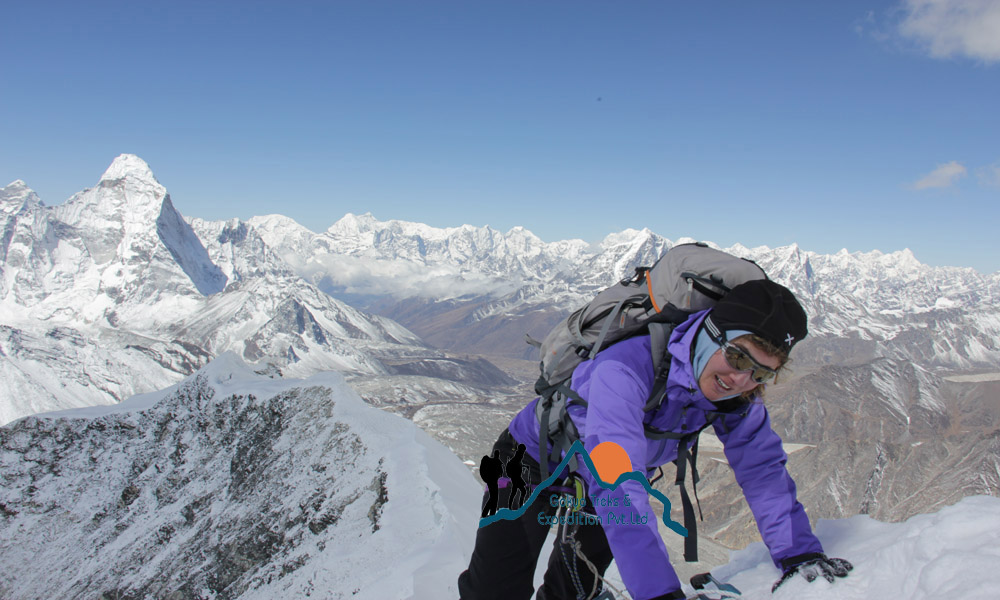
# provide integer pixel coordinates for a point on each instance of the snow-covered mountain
(232, 485)
(869, 404)
(115, 293)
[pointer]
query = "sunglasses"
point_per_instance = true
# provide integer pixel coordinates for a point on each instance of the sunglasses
(740, 359)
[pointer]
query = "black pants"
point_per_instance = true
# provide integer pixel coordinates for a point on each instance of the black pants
(503, 561)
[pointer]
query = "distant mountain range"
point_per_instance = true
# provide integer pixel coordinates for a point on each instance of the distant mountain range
(463, 288)
(115, 293)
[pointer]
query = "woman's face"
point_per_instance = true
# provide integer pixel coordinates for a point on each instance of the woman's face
(719, 380)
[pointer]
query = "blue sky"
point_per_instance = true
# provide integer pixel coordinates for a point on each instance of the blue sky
(858, 125)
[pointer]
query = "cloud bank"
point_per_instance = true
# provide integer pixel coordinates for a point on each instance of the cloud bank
(364, 275)
(954, 28)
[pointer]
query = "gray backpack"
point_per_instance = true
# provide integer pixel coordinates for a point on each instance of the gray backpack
(688, 278)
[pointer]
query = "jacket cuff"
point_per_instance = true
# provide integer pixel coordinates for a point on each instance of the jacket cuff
(675, 595)
(793, 561)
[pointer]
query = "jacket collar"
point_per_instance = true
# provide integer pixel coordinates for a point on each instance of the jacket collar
(680, 347)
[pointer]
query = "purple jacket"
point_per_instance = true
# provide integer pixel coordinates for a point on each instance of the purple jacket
(616, 385)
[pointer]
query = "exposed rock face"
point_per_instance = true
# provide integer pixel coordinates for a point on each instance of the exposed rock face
(230, 486)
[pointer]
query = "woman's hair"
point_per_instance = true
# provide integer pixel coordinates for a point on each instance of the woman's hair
(771, 350)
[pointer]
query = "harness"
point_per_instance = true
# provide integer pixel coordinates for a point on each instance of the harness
(571, 549)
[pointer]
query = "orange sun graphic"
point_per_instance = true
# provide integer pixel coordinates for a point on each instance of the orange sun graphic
(611, 461)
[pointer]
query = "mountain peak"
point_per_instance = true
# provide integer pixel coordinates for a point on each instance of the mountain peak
(354, 223)
(16, 189)
(17, 196)
(625, 236)
(128, 165)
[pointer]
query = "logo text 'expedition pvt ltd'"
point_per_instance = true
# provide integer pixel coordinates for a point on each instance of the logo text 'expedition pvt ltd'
(609, 466)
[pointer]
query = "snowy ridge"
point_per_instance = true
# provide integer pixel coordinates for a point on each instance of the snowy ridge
(250, 487)
(487, 251)
(91, 372)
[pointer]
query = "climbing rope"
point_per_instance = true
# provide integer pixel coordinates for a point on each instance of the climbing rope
(567, 530)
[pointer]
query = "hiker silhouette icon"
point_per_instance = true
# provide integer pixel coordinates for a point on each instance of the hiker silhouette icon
(491, 469)
(518, 489)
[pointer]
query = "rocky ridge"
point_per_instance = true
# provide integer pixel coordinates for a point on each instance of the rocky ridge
(230, 485)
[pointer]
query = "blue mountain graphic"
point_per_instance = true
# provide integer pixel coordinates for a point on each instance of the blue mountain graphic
(507, 514)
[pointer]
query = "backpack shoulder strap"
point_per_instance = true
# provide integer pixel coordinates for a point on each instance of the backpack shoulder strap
(659, 337)
(685, 456)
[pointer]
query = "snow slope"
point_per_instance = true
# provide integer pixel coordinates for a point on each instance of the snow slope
(951, 553)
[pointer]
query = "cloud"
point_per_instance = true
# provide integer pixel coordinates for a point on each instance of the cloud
(947, 28)
(989, 176)
(400, 278)
(943, 176)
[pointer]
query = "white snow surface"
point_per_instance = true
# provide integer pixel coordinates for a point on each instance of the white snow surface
(953, 553)
(128, 165)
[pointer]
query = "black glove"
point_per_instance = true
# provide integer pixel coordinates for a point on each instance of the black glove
(813, 565)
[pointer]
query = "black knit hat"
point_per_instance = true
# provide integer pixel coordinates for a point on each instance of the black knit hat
(763, 307)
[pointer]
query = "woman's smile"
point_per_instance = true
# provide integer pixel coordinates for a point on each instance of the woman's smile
(720, 380)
